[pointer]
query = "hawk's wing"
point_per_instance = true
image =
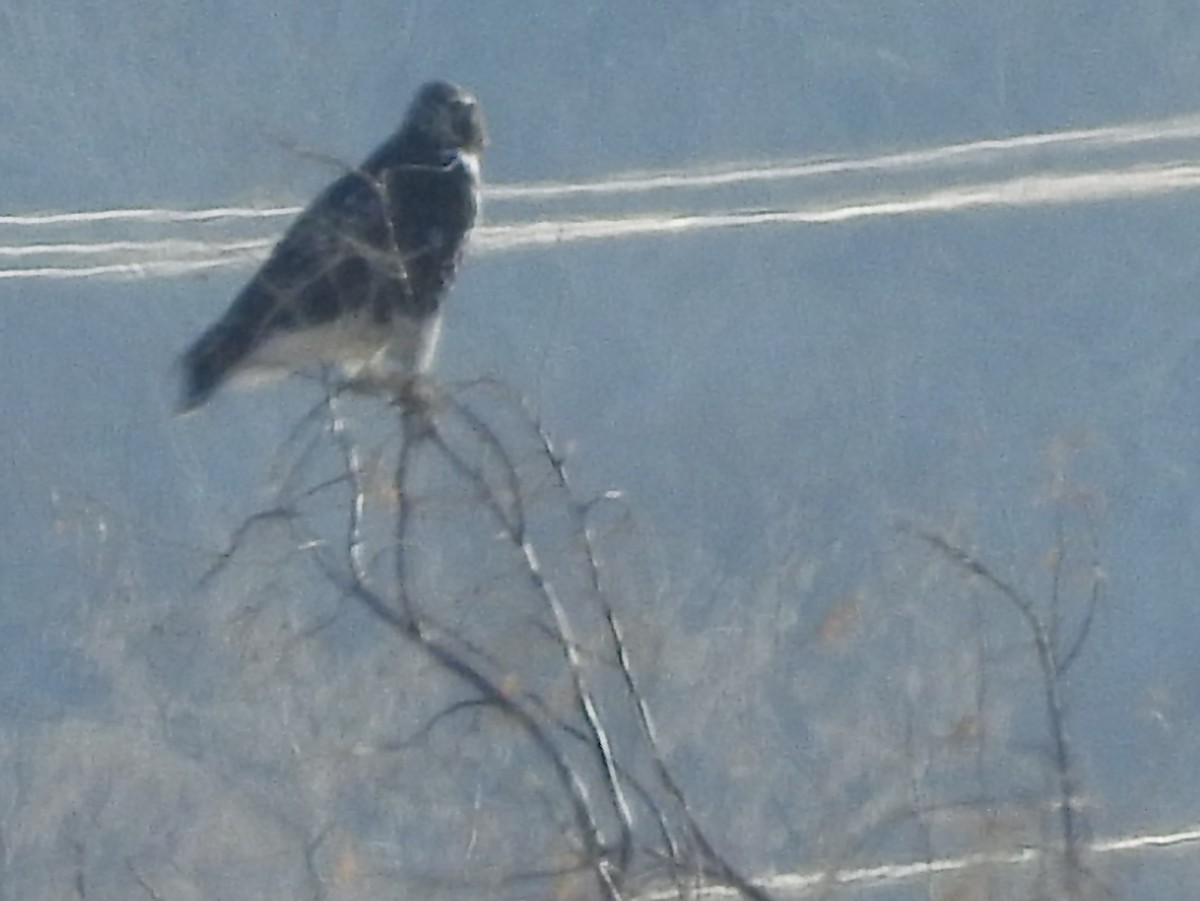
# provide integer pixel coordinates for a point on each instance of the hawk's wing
(339, 257)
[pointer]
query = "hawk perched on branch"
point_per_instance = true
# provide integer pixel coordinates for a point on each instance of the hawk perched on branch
(359, 278)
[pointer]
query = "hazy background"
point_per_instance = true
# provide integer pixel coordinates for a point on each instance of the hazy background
(773, 399)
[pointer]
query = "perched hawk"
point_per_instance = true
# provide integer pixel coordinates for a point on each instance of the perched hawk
(359, 278)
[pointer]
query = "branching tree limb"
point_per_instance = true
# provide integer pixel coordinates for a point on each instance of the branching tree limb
(1051, 663)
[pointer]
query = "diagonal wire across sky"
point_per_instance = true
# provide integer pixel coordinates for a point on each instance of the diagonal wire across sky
(1125, 162)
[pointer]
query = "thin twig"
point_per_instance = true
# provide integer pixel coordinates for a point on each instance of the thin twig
(352, 460)
(1093, 602)
(240, 534)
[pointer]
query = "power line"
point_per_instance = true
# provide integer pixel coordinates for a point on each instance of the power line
(918, 190)
(1185, 128)
(800, 884)
(152, 216)
(167, 246)
(160, 269)
(1110, 137)
(1026, 191)
(166, 259)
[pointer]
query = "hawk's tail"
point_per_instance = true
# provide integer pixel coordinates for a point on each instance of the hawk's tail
(208, 363)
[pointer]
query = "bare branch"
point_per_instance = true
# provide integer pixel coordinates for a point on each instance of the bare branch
(1051, 681)
(579, 511)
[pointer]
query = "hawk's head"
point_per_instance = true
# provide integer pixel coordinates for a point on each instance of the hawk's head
(448, 117)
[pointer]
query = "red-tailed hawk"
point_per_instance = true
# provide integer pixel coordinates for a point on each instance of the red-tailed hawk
(359, 278)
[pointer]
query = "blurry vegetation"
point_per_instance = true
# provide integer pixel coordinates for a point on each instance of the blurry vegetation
(431, 668)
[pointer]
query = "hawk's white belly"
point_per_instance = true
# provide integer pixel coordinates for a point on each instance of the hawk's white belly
(356, 343)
